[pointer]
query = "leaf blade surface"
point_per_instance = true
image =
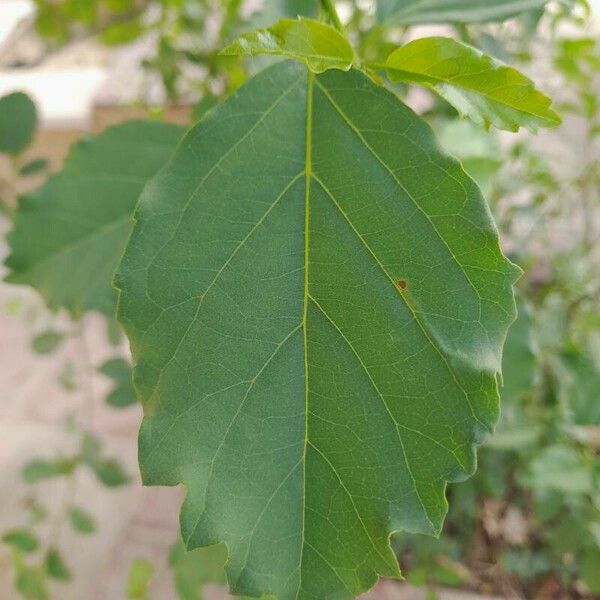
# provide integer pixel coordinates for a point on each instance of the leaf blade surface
(478, 86)
(314, 302)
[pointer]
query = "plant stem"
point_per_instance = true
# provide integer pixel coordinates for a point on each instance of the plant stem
(329, 7)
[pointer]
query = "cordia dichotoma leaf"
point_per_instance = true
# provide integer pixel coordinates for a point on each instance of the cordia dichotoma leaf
(478, 86)
(70, 233)
(413, 12)
(316, 303)
(319, 46)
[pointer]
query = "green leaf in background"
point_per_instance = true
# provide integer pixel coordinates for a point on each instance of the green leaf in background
(413, 12)
(22, 539)
(273, 10)
(123, 393)
(518, 372)
(194, 569)
(579, 388)
(478, 86)
(18, 120)
(34, 167)
(316, 44)
(38, 470)
(55, 566)
(561, 468)
(81, 520)
(47, 341)
(70, 233)
(31, 583)
(590, 570)
(316, 307)
(139, 576)
(477, 150)
(110, 472)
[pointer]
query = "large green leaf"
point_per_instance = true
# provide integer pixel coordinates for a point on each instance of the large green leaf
(316, 44)
(411, 12)
(316, 304)
(478, 86)
(70, 233)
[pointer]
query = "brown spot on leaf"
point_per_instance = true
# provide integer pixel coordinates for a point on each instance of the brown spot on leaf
(401, 283)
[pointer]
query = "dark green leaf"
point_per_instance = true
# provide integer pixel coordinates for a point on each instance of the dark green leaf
(18, 120)
(47, 341)
(21, 539)
(34, 166)
(119, 370)
(110, 472)
(81, 520)
(412, 12)
(316, 44)
(478, 86)
(70, 233)
(55, 566)
(316, 302)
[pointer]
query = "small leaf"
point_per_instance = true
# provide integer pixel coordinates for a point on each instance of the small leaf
(38, 469)
(69, 234)
(34, 166)
(18, 120)
(123, 393)
(21, 539)
(55, 566)
(31, 583)
(47, 341)
(478, 86)
(81, 520)
(139, 576)
(413, 12)
(110, 472)
(316, 44)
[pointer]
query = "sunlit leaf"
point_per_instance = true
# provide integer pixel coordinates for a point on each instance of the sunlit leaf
(478, 86)
(139, 576)
(316, 44)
